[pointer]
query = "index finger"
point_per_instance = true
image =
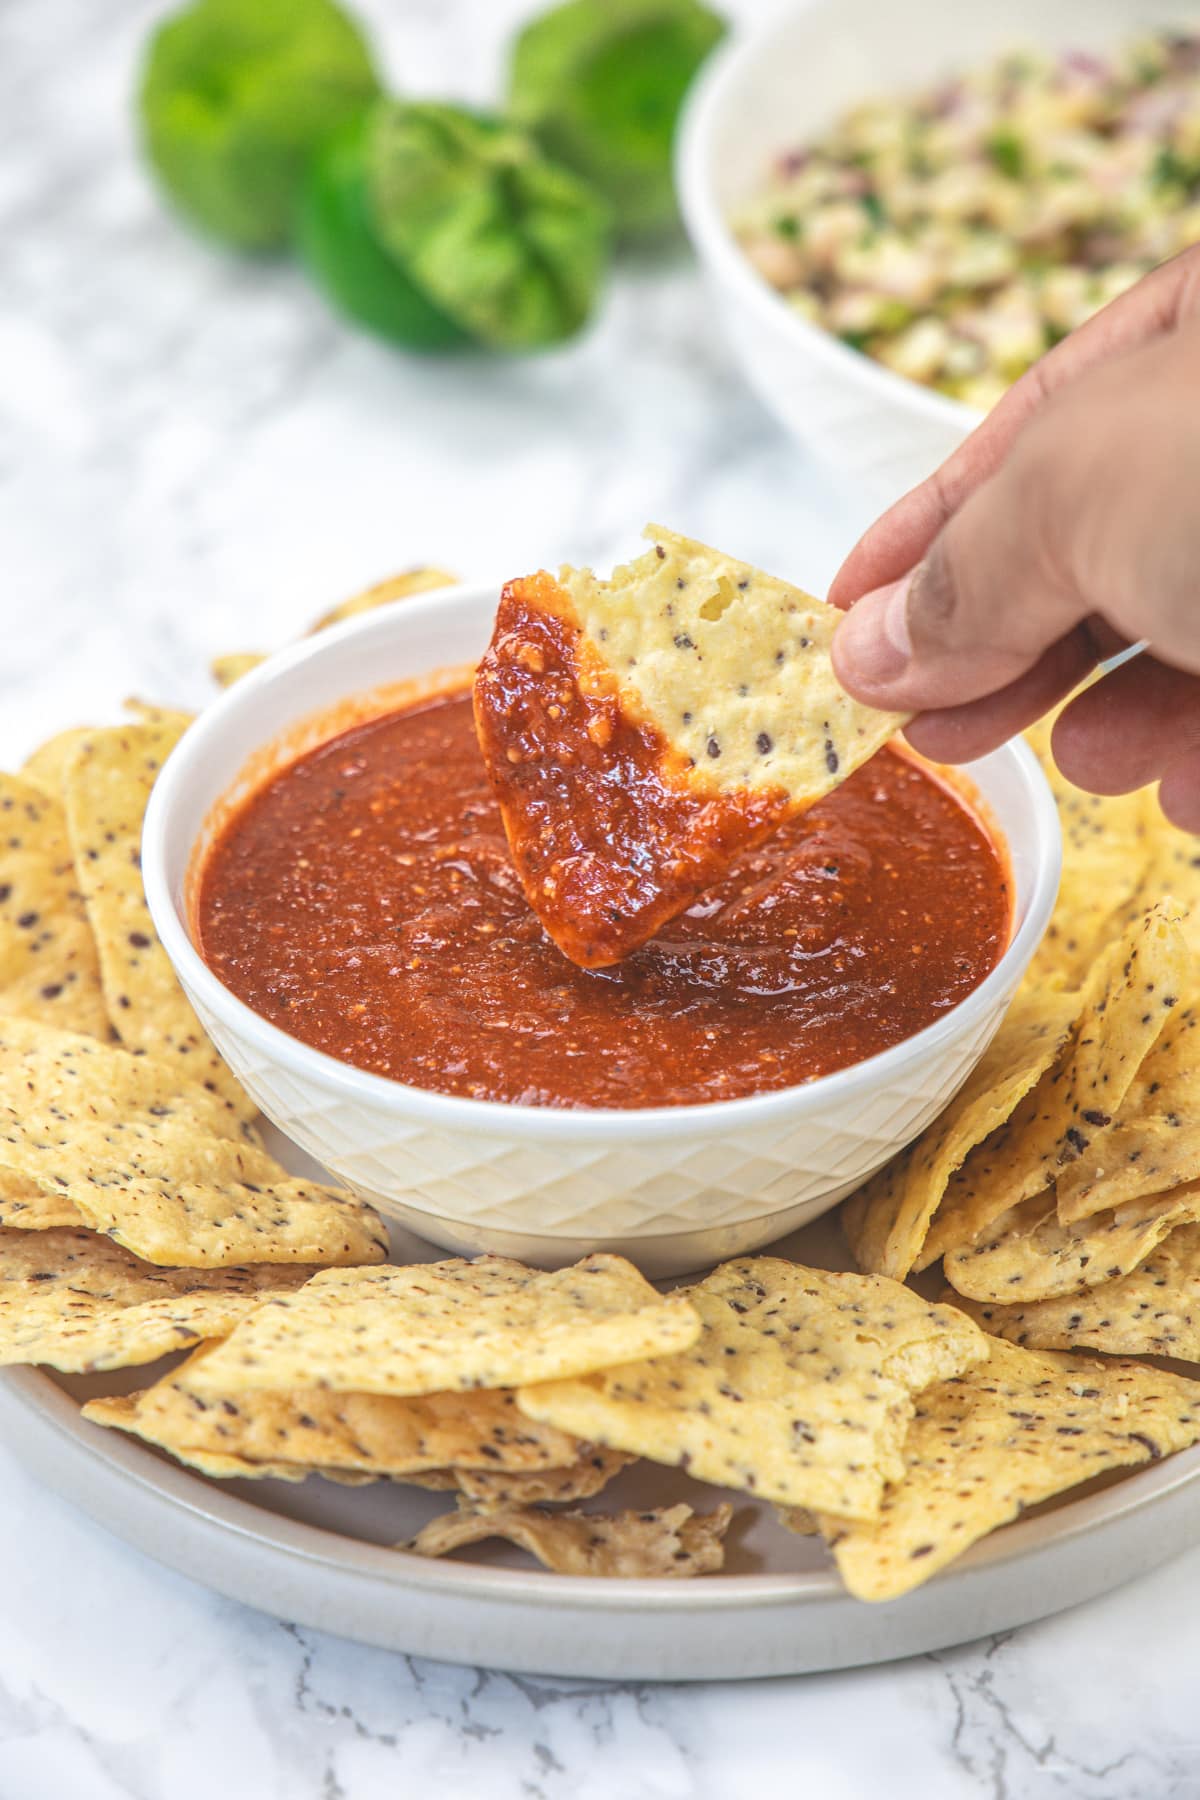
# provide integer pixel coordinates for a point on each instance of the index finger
(901, 536)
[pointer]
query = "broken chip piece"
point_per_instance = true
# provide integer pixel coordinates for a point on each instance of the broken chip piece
(639, 733)
(672, 1540)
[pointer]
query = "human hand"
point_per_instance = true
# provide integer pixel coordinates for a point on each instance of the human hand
(1066, 528)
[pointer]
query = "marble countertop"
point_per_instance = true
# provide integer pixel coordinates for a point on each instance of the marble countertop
(194, 457)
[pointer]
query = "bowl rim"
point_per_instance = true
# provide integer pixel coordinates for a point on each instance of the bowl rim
(714, 243)
(539, 1124)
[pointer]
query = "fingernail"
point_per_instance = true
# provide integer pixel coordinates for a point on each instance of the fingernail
(874, 646)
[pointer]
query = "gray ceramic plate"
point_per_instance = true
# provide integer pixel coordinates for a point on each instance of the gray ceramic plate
(321, 1555)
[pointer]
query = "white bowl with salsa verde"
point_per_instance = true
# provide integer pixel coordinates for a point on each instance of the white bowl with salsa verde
(326, 867)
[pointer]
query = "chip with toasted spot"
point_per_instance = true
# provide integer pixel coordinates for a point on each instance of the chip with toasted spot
(100, 1129)
(381, 1434)
(672, 1541)
(107, 784)
(888, 1219)
(1129, 1000)
(1152, 1144)
(78, 1302)
(641, 732)
(799, 1390)
(49, 967)
(1152, 1311)
(451, 1326)
(1028, 1254)
(1017, 1429)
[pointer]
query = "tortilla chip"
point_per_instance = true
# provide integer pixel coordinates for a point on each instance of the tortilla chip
(983, 1446)
(43, 1069)
(108, 784)
(76, 1301)
(377, 1434)
(887, 1220)
(112, 1134)
(233, 665)
(47, 765)
(1119, 856)
(800, 1389)
(24, 1206)
(120, 1413)
(495, 1490)
(673, 1541)
(640, 733)
(1030, 1255)
(150, 712)
(49, 968)
(421, 580)
(1152, 1144)
(1128, 1002)
(798, 1520)
(1152, 1311)
(450, 1326)
(1108, 854)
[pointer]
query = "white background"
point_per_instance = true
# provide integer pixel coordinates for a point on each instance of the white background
(194, 457)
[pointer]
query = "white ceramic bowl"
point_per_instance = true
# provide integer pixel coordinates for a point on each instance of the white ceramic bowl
(677, 1187)
(787, 83)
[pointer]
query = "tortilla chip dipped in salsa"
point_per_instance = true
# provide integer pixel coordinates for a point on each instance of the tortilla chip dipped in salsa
(641, 733)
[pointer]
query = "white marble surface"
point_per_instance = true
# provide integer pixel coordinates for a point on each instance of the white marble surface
(194, 457)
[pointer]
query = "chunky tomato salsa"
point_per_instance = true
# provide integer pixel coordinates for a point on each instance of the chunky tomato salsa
(365, 901)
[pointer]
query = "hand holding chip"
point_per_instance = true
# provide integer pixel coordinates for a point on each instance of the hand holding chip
(1063, 530)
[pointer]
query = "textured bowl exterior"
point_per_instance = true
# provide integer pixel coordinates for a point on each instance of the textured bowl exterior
(677, 1187)
(697, 1197)
(783, 85)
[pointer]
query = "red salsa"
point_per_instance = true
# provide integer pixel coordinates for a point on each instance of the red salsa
(365, 901)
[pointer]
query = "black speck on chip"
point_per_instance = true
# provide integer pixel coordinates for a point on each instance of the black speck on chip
(683, 641)
(660, 553)
(831, 757)
(763, 743)
(139, 940)
(713, 747)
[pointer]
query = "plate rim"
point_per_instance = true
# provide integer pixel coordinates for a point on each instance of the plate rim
(184, 1490)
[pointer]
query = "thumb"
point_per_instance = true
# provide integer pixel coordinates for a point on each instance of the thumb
(1091, 514)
